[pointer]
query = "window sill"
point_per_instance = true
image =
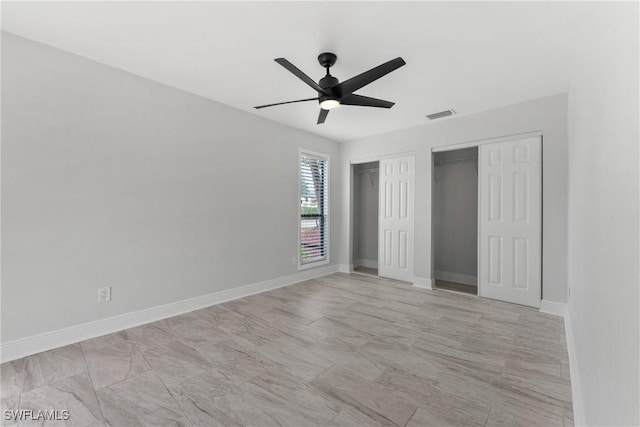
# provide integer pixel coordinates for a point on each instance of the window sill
(312, 264)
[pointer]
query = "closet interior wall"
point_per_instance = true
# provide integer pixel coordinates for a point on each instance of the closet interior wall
(455, 216)
(365, 215)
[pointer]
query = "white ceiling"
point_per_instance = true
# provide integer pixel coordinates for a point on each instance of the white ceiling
(468, 56)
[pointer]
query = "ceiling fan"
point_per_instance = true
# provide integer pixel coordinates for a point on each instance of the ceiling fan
(332, 93)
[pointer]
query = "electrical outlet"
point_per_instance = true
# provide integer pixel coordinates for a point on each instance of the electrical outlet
(104, 294)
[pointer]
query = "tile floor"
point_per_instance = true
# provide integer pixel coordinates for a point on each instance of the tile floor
(366, 270)
(456, 287)
(342, 350)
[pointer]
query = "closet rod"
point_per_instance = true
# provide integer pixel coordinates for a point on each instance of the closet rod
(442, 162)
(371, 170)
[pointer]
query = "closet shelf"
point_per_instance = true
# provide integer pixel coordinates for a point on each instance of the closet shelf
(444, 162)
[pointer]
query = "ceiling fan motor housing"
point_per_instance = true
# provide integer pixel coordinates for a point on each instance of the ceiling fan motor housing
(327, 83)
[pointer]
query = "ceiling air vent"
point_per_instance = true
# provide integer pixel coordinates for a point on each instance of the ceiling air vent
(441, 114)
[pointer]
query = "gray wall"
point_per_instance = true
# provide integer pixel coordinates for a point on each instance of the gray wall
(548, 115)
(365, 214)
(604, 216)
(455, 213)
(112, 179)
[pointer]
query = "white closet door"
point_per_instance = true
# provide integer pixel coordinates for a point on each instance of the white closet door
(510, 221)
(395, 241)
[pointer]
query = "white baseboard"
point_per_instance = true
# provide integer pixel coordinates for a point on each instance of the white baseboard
(421, 282)
(576, 384)
(21, 347)
(552, 307)
(456, 277)
(369, 263)
(345, 268)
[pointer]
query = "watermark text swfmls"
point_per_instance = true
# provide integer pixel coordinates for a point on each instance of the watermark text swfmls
(36, 415)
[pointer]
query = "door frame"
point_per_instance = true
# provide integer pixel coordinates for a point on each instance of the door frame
(478, 143)
(357, 161)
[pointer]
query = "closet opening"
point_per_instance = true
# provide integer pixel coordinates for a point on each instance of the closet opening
(365, 218)
(455, 220)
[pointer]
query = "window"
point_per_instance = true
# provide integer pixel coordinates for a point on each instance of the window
(314, 206)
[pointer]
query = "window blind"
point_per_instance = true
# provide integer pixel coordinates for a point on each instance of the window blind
(313, 208)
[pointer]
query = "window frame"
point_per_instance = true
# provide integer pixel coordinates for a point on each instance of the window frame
(321, 156)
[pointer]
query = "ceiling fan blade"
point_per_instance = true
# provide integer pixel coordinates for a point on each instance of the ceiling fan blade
(299, 74)
(323, 115)
(361, 80)
(365, 101)
(287, 102)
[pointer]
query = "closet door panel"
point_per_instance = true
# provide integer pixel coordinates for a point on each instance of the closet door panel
(510, 212)
(397, 183)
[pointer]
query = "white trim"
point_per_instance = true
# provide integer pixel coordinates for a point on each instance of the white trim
(380, 157)
(421, 282)
(313, 264)
(345, 268)
(317, 154)
(576, 393)
(552, 307)
(468, 144)
(369, 263)
(465, 279)
(26, 346)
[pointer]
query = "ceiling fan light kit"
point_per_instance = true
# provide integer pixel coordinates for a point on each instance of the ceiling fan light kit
(329, 104)
(331, 93)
